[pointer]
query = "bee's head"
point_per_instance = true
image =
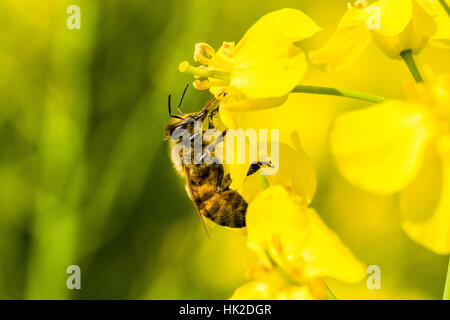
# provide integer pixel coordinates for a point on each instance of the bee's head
(188, 121)
(183, 122)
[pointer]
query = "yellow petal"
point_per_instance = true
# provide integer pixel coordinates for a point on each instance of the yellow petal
(275, 213)
(297, 239)
(295, 170)
(394, 16)
(434, 233)
(258, 290)
(326, 256)
(442, 36)
(238, 102)
(392, 40)
(296, 293)
(255, 290)
(292, 165)
(346, 44)
(420, 199)
(267, 63)
(380, 148)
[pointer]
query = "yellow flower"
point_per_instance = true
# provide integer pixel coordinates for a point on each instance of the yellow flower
(295, 248)
(393, 25)
(259, 290)
(262, 68)
(442, 36)
(403, 146)
(292, 165)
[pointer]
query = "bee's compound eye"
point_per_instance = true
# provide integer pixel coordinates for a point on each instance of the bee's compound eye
(190, 121)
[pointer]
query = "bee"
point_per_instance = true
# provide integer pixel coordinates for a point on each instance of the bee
(207, 185)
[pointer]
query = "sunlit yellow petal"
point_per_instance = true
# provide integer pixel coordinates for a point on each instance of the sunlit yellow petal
(326, 256)
(296, 293)
(380, 148)
(255, 290)
(442, 36)
(267, 63)
(394, 36)
(274, 213)
(434, 234)
(290, 162)
(295, 170)
(297, 239)
(419, 200)
(394, 16)
(348, 42)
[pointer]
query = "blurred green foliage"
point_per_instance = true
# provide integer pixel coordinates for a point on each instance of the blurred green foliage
(85, 176)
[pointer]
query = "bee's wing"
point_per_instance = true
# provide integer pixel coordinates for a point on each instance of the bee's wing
(191, 195)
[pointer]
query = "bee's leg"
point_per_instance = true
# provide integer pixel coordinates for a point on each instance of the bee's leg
(254, 167)
(212, 146)
(223, 184)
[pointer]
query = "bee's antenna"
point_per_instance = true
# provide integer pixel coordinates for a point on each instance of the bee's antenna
(170, 112)
(181, 100)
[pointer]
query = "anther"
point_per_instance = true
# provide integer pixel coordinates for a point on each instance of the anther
(201, 85)
(203, 52)
(227, 48)
(220, 94)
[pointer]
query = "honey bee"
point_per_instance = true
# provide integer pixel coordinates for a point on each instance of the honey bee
(207, 185)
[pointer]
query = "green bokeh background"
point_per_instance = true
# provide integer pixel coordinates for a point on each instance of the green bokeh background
(85, 177)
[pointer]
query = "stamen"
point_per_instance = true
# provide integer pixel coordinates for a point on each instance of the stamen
(360, 4)
(203, 72)
(219, 83)
(201, 85)
(202, 49)
(220, 94)
(227, 48)
(196, 76)
(221, 61)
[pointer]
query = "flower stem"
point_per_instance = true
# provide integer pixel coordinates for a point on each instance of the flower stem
(447, 284)
(409, 60)
(446, 7)
(263, 181)
(339, 92)
(330, 294)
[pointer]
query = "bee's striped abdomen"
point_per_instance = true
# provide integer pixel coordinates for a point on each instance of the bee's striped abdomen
(227, 209)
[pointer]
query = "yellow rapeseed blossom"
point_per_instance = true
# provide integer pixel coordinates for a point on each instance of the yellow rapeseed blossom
(394, 26)
(295, 249)
(260, 290)
(442, 36)
(404, 146)
(261, 69)
(292, 167)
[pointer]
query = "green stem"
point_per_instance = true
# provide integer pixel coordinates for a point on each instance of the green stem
(330, 294)
(446, 7)
(339, 92)
(263, 181)
(409, 60)
(447, 284)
